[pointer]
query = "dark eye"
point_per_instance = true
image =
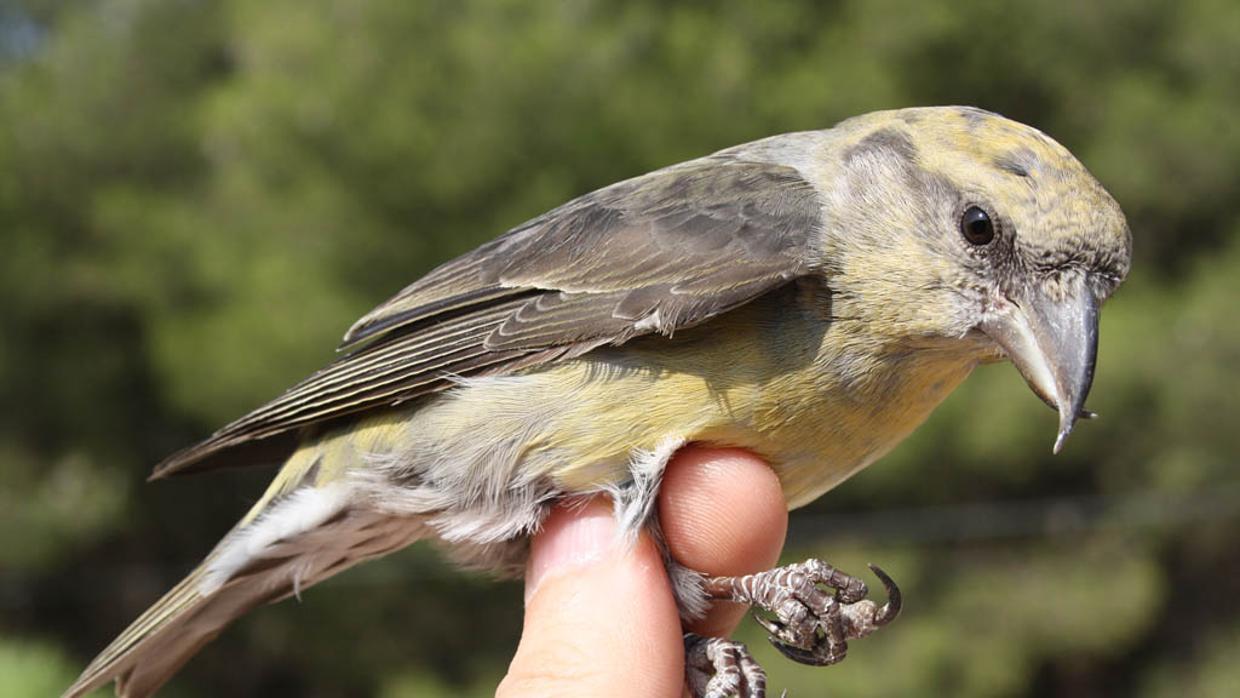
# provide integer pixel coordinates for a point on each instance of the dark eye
(976, 226)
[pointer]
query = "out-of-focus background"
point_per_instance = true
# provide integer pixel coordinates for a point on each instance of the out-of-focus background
(197, 198)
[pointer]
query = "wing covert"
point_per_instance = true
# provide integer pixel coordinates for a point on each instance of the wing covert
(657, 253)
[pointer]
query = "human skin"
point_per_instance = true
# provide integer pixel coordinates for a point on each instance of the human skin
(601, 619)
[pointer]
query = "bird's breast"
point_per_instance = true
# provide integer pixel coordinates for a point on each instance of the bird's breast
(817, 406)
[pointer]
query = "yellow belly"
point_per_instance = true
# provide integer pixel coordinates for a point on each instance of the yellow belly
(819, 403)
(817, 400)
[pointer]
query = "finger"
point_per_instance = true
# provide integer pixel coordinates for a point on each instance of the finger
(723, 513)
(600, 619)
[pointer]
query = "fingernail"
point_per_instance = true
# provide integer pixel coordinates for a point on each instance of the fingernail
(572, 537)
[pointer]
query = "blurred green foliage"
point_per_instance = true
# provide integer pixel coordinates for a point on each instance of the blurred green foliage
(196, 198)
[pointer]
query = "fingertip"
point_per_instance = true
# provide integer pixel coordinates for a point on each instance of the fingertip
(574, 535)
(723, 513)
(600, 618)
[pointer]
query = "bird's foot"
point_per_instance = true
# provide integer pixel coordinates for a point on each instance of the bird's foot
(810, 625)
(716, 667)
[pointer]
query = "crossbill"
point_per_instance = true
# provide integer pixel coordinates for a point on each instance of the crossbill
(810, 297)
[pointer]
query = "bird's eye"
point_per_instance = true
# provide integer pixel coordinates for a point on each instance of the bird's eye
(976, 226)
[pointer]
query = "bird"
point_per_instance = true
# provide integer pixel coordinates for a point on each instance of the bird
(810, 297)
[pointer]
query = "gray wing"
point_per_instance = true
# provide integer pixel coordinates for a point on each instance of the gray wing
(657, 253)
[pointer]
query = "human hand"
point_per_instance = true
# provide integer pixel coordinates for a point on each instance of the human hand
(602, 621)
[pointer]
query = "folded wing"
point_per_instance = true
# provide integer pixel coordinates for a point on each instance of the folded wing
(657, 253)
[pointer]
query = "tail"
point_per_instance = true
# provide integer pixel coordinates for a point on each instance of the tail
(256, 564)
(163, 638)
(310, 525)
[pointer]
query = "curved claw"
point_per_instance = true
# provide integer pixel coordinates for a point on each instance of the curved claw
(804, 656)
(772, 627)
(811, 656)
(895, 600)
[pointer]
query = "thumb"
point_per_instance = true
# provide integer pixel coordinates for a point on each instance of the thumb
(600, 619)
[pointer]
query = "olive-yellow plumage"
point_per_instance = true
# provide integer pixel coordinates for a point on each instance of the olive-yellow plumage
(811, 297)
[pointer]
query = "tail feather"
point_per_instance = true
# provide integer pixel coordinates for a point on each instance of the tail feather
(249, 568)
(151, 650)
(310, 524)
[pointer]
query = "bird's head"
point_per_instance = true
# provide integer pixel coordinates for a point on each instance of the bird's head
(959, 229)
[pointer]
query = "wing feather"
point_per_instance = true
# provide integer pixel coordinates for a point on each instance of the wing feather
(661, 252)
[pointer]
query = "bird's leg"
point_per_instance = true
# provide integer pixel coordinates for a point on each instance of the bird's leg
(811, 625)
